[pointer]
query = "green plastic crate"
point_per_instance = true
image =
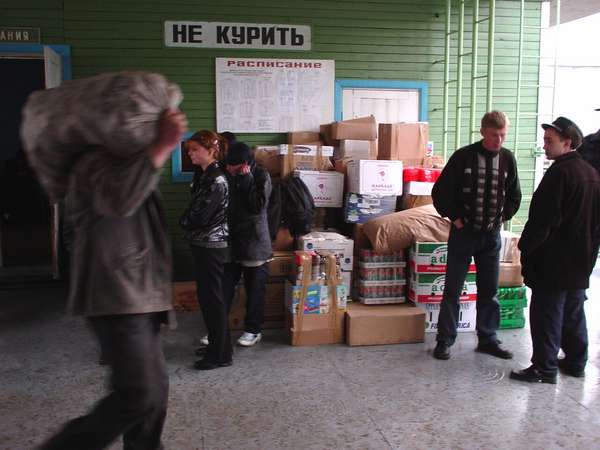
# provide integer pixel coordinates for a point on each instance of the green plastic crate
(513, 303)
(511, 293)
(518, 322)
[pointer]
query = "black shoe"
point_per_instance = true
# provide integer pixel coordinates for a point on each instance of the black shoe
(532, 375)
(200, 351)
(494, 349)
(568, 370)
(205, 364)
(441, 350)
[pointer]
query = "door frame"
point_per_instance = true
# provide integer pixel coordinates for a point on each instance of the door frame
(37, 50)
(346, 83)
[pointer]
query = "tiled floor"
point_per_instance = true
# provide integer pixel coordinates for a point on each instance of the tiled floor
(281, 397)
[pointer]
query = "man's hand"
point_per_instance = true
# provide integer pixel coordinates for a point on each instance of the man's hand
(458, 223)
(171, 127)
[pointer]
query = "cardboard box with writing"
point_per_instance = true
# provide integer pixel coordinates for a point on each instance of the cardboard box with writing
(304, 157)
(332, 242)
(304, 137)
(362, 129)
(359, 208)
(375, 177)
(403, 141)
(326, 188)
(467, 316)
(281, 265)
(384, 324)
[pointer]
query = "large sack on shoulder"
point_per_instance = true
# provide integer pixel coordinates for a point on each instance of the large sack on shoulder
(395, 232)
(117, 111)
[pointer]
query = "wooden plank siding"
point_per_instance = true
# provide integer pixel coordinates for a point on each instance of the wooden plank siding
(382, 39)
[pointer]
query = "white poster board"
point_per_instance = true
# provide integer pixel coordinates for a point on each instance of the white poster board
(256, 95)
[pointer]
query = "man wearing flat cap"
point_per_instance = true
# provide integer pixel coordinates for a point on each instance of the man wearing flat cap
(559, 247)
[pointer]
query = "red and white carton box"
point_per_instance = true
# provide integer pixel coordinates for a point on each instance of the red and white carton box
(431, 257)
(376, 177)
(429, 287)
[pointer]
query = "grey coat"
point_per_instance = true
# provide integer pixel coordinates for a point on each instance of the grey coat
(121, 256)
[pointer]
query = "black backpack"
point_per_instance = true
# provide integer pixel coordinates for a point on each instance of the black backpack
(291, 205)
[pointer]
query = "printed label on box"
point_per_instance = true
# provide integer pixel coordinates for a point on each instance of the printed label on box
(431, 257)
(466, 317)
(429, 288)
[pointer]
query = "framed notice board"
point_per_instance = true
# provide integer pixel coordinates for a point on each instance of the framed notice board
(263, 95)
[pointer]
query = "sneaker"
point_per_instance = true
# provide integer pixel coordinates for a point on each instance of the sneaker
(532, 375)
(494, 349)
(441, 351)
(249, 339)
(204, 340)
(565, 368)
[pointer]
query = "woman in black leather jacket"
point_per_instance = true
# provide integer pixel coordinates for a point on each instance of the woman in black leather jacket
(205, 225)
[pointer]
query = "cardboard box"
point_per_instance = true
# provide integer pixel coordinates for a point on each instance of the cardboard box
(509, 249)
(363, 128)
(404, 141)
(304, 157)
(267, 156)
(281, 265)
(304, 137)
(431, 257)
(510, 274)
(326, 132)
(433, 162)
(324, 326)
(359, 208)
(375, 177)
(418, 188)
(384, 324)
(284, 241)
(429, 287)
(274, 307)
(467, 316)
(414, 201)
(327, 188)
(347, 281)
(329, 241)
(356, 149)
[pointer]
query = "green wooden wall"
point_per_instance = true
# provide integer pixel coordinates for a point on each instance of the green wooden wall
(383, 39)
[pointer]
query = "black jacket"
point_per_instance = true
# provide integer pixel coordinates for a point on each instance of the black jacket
(248, 223)
(205, 219)
(559, 243)
(590, 149)
(453, 193)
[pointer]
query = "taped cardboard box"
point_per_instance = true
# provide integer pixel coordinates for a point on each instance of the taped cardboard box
(384, 324)
(281, 264)
(362, 129)
(414, 201)
(355, 149)
(375, 177)
(305, 157)
(304, 137)
(324, 327)
(510, 274)
(405, 141)
(326, 132)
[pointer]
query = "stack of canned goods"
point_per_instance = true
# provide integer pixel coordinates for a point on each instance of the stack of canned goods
(382, 273)
(381, 291)
(371, 256)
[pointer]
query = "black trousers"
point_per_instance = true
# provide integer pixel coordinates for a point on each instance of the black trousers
(137, 405)
(557, 320)
(484, 247)
(255, 280)
(210, 267)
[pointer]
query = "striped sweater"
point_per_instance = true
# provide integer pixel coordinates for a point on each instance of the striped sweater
(479, 186)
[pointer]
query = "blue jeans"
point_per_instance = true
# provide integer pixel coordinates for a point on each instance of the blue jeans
(484, 246)
(557, 319)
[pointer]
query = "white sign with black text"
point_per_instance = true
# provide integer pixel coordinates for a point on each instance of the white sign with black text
(263, 95)
(237, 35)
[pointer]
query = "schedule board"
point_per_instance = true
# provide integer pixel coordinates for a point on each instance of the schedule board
(263, 95)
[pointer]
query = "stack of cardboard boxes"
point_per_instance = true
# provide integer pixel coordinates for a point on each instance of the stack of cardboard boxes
(511, 294)
(427, 263)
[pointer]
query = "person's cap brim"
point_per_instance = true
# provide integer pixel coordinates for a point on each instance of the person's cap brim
(545, 126)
